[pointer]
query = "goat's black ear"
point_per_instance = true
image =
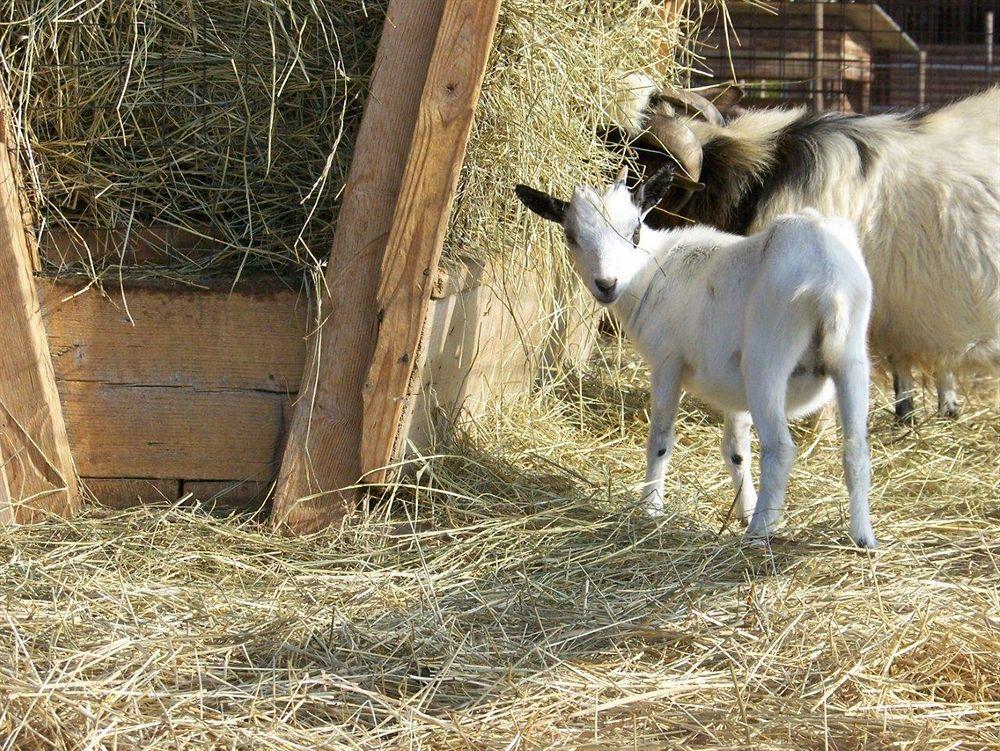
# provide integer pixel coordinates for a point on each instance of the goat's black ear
(546, 206)
(652, 190)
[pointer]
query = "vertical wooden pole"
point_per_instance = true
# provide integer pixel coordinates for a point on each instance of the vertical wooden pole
(989, 41)
(395, 165)
(922, 78)
(818, 51)
(37, 470)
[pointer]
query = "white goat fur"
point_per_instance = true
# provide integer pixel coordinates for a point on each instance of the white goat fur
(752, 326)
(927, 208)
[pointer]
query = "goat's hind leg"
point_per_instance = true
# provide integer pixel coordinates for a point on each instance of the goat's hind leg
(736, 455)
(903, 390)
(766, 378)
(851, 378)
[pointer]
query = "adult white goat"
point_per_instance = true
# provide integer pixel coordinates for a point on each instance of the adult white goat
(761, 324)
(923, 188)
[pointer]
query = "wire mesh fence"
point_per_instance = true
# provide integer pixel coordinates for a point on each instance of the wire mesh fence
(853, 56)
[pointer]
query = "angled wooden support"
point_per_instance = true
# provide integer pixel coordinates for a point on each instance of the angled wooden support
(37, 476)
(428, 71)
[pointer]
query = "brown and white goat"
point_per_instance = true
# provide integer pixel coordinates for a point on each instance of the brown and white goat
(923, 189)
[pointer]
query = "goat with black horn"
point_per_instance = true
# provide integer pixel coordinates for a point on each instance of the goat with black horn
(922, 187)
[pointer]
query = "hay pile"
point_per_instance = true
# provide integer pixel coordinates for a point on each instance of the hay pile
(231, 120)
(235, 122)
(511, 597)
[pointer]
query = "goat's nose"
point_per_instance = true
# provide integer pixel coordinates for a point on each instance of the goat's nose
(607, 286)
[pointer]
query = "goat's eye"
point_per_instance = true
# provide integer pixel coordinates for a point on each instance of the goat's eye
(635, 235)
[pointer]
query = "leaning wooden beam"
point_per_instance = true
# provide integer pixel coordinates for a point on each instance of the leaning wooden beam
(425, 85)
(37, 476)
(410, 259)
(321, 459)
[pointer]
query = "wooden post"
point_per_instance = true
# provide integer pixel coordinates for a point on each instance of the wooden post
(818, 51)
(989, 41)
(922, 78)
(37, 476)
(425, 86)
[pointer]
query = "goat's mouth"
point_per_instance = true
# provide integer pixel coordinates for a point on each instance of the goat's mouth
(605, 298)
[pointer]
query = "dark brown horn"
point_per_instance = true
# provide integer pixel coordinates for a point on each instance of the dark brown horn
(675, 138)
(692, 104)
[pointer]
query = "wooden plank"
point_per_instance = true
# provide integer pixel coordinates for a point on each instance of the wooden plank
(138, 245)
(36, 459)
(121, 493)
(202, 339)
(174, 432)
(247, 495)
(413, 249)
(322, 459)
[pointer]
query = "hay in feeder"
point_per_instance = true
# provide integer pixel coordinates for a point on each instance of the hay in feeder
(512, 596)
(233, 123)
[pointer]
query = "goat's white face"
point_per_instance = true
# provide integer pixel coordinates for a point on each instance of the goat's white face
(603, 231)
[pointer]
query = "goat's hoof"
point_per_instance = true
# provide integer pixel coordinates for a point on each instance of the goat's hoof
(905, 413)
(950, 410)
(757, 535)
(755, 542)
(865, 539)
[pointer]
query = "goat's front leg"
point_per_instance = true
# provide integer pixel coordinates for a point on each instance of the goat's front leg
(736, 455)
(665, 396)
(947, 394)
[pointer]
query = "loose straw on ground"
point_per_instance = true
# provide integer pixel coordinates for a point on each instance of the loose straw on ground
(510, 595)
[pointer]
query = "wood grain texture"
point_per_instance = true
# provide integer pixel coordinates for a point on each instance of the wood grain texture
(246, 495)
(39, 477)
(240, 340)
(413, 248)
(138, 245)
(121, 493)
(166, 432)
(322, 459)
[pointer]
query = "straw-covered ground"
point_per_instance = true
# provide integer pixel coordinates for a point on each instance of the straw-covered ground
(510, 596)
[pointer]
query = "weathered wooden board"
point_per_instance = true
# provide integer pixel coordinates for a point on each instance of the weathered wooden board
(127, 247)
(165, 432)
(119, 493)
(413, 248)
(203, 339)
(188, 390)
(322, 456)
(35, 459)
(247, 495)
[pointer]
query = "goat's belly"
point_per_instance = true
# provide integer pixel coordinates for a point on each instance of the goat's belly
(805, 394)
(724, 392)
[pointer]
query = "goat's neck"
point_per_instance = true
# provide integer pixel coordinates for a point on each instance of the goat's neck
(635, 299)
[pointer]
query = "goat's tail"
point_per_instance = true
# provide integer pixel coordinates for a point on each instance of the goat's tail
(631, 107)
(835, 325)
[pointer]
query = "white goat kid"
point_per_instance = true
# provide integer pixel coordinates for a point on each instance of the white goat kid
(768, 326)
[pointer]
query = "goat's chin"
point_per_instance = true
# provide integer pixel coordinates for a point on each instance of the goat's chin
(604, 299)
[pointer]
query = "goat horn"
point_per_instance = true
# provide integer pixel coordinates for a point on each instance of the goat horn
(677, 139)
(691, 103)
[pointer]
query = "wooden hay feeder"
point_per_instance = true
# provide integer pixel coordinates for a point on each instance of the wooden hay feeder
(207, 392)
